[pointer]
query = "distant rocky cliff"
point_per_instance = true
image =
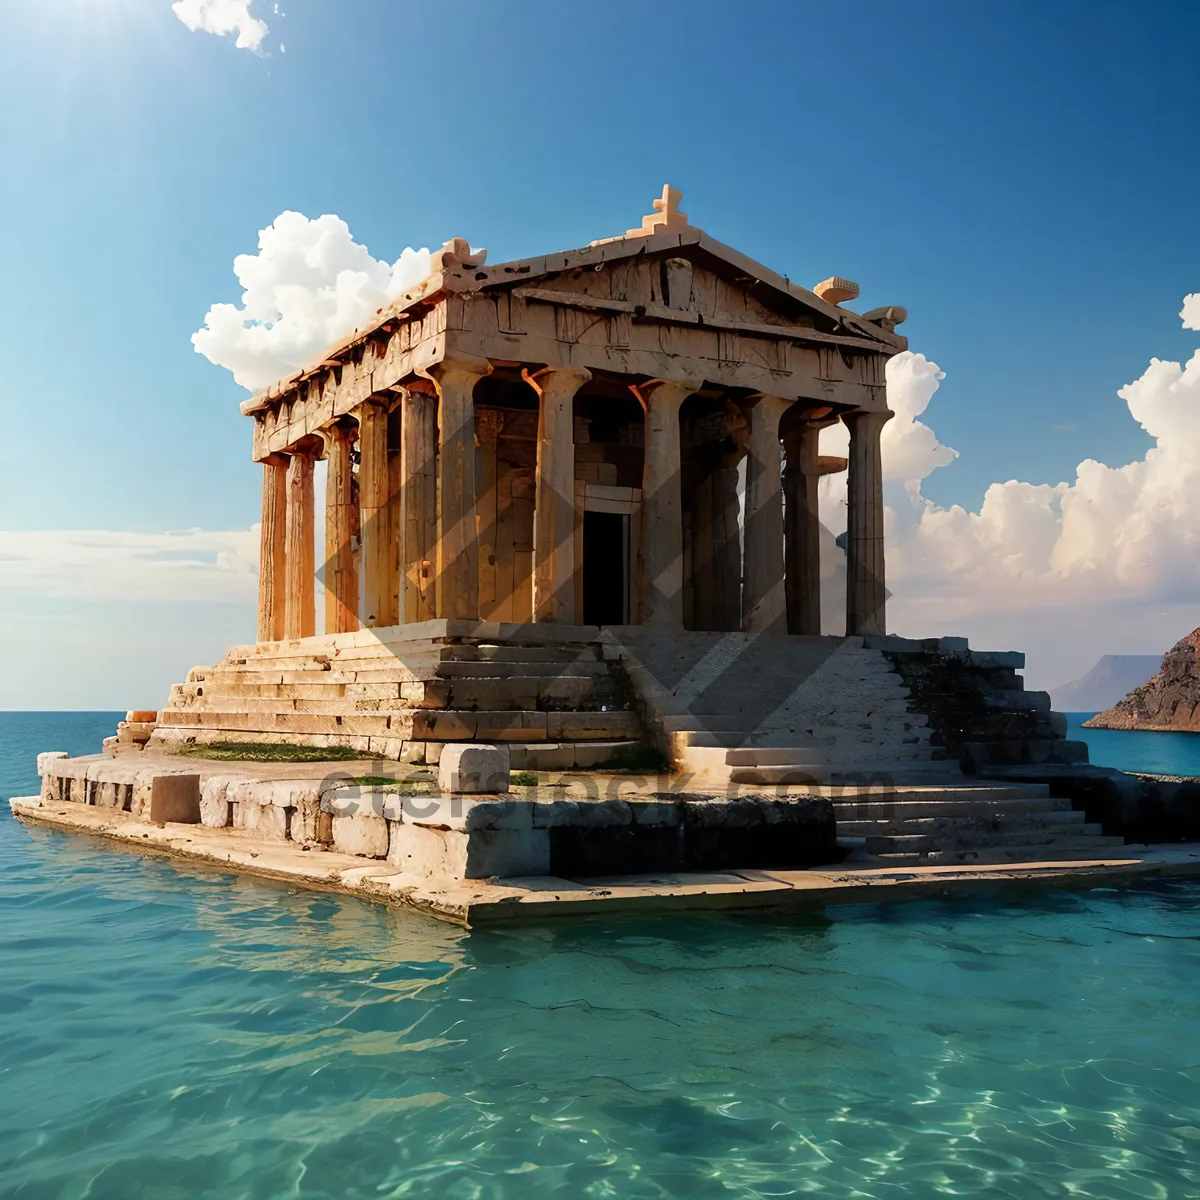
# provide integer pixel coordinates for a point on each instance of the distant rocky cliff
(1104, 685)
(1169, 700)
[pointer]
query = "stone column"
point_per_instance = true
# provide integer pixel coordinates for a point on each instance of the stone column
(802, 527)
(301, 603)
(866, 593)
(458, 538)
(554, 499)
(661, 583)
(272, 560)
(418, 502)
(763, 603)
(341, 575)
(373, 502)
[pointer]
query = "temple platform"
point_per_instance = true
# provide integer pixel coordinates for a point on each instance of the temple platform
(475, 902)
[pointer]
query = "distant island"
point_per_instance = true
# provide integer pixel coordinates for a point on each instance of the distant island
(1169, 700)
(1113, 677)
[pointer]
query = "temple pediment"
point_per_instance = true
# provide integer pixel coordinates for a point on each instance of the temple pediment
(688, 276)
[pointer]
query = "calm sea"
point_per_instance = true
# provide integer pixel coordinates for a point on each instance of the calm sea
(176, 1033)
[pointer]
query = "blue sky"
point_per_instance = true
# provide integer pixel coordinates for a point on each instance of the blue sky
(1021, 176)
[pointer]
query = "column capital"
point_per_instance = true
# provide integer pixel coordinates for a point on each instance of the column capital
(458, 367)
(275, 459)
(375, 401)
(664, 392)
(311, 445)
(766, 402)
(867, 420)
(560, 380)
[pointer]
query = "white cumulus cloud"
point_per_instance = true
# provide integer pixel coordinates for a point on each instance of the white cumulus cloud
(1108, 562)
(1190, 312)
(309, 284)
(223, 17)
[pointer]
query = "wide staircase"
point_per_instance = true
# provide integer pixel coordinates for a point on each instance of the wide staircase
(404, 691)
(833, 717)
(736, 713)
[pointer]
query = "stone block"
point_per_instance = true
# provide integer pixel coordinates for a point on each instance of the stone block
(654, 812)
(366, 836)
(552, 756)
(579, 852)
(457, 854)
(140, 715)
(175, 799)
(250, 791)
(587, 814)
(309, 824)
(511, 726)
(596, 754)
(267, 822)
(723, 814)
(291, 793)
(424, 850)
(350, 800)
(432, 724)
(474, 769)
(466, 813)
(1069, 752)
(214, 803)
(990, 660)
(110, 795)
(507, 852)
(47, 757)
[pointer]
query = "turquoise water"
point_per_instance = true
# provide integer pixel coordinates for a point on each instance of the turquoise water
(170, 1033)
(1135, 750)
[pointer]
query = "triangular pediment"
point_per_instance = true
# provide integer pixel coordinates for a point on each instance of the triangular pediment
(693, 274)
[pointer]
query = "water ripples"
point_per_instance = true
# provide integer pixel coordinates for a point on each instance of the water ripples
(169, 1032)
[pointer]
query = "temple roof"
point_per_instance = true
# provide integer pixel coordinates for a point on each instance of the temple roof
(456, 268)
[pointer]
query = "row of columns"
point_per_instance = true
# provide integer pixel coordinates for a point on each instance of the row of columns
(415, 520)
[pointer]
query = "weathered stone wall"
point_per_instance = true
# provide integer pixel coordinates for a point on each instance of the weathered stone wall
(979, 711)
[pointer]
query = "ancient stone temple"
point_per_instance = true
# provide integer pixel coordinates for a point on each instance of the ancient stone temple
(559, 440)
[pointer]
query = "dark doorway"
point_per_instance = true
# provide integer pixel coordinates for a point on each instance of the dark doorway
(605, 568)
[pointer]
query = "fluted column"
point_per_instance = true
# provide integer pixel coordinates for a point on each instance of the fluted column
(301, 603)
(866, 591)
(378, 589)
(272, 559)
(554, 500)
(661, 583)
(418, 502)
(763, 603)
(458, 538)
(341, 575)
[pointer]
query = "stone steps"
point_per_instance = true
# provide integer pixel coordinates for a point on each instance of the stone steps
(883, 814)
(945, 830)
(416, 686)
(439, 724)
(1090, 849)
(1086, 838)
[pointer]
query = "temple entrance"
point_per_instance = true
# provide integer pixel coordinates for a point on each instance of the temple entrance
(605, 568)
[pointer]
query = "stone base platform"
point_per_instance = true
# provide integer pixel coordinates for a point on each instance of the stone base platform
(474, 902)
